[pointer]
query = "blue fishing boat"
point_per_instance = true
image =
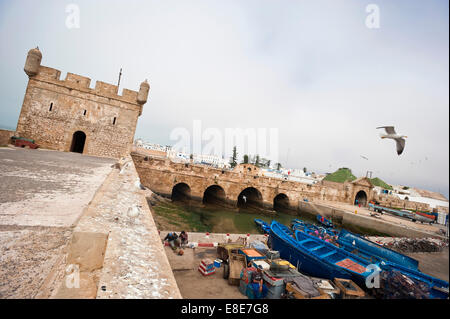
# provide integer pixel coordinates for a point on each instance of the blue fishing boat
(316, 257)
(297, 224)
(325, 222)
(372, 251)
(265, 228)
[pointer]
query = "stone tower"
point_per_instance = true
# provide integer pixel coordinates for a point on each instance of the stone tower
(68, 115)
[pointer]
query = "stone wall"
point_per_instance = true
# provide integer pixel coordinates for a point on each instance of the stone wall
(5, 136)
(53, 110)
(161, 175)
(395, 202)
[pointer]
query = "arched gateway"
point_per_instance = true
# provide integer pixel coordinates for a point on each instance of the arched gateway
(78, 140)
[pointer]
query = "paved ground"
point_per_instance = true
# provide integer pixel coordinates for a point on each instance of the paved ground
(47, 188)
(42, 194)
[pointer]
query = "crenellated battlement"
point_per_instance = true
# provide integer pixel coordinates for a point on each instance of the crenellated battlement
(73, 114)
(82, 83)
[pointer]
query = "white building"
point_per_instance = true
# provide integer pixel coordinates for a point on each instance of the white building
(296, 175)
(213, 160)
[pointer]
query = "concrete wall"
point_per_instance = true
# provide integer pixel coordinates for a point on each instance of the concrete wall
(117, 247)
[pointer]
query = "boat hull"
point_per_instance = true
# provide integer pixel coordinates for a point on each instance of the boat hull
(307, 262)
(352, 241)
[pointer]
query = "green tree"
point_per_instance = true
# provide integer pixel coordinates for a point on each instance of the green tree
(233, 158)
(257, 161)
(304, 170)
(245, 161)
(278, 166)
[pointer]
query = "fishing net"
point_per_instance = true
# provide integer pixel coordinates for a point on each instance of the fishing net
(395, 285)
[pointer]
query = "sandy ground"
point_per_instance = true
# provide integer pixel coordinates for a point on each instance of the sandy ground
(192, 284)
(434, 264)
(42, 194)
(190, 281)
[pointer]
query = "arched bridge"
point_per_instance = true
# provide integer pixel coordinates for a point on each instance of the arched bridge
(242, 187)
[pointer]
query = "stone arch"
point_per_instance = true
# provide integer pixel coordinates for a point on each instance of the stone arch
(214, 195)
(250, 198)
(78, 142)
(361, 197)
(181, 192)
(281, 203)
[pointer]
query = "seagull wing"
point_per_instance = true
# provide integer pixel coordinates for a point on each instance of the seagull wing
(400, 145)
(389, 129)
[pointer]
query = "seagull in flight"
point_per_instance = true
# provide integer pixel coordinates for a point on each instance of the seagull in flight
(399, 139)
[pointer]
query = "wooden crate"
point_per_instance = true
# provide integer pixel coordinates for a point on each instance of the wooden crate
(237, 263)
(298, 294)
(332, 290)
(349, 290)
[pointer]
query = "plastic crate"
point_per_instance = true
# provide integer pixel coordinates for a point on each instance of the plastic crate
(252, 254)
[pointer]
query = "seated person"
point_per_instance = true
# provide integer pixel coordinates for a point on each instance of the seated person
(173, 240)
(258, 287)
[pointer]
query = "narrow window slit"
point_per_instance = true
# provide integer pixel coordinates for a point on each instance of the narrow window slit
(51, 106)
(114, 121)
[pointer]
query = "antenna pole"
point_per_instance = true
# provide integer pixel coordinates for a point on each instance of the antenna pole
(120, 75)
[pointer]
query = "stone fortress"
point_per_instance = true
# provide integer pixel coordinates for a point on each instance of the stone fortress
(68, 115)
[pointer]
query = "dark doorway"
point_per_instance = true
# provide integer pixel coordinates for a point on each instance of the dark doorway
(361, 198)
(281, 203)
(181, 193)
(250, 198)
(78, 140)
(214, 195)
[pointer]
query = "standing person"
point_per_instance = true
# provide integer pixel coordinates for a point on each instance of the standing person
(183, 238)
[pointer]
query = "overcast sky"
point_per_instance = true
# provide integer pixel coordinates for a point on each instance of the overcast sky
(312, 69)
